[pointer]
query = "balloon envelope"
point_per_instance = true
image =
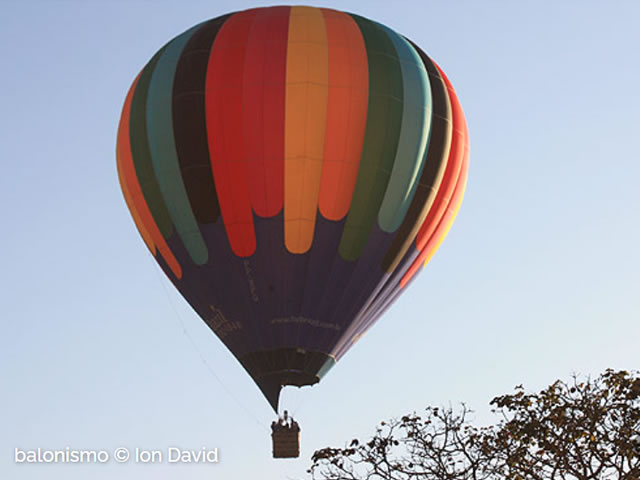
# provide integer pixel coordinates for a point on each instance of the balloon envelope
(291, 169)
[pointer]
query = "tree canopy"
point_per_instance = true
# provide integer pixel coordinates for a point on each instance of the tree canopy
(576, 430)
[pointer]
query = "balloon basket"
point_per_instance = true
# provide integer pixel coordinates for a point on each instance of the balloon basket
(286, 444)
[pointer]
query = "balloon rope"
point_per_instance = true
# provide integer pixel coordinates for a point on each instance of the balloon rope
(198, 351)
(299, 403)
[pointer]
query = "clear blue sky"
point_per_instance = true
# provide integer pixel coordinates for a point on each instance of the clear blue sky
(539, 277)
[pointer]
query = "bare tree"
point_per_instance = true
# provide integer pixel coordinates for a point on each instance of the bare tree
(576, 430)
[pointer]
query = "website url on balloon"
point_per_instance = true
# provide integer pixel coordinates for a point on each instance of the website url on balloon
(308, 321)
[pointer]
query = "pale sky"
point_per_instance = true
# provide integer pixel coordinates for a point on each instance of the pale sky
(538, 278)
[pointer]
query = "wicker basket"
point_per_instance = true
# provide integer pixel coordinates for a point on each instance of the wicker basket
(286, 443)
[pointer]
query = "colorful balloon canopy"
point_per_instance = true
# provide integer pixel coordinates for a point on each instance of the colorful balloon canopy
(291, 169)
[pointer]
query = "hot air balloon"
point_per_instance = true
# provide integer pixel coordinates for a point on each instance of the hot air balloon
(291, 169)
